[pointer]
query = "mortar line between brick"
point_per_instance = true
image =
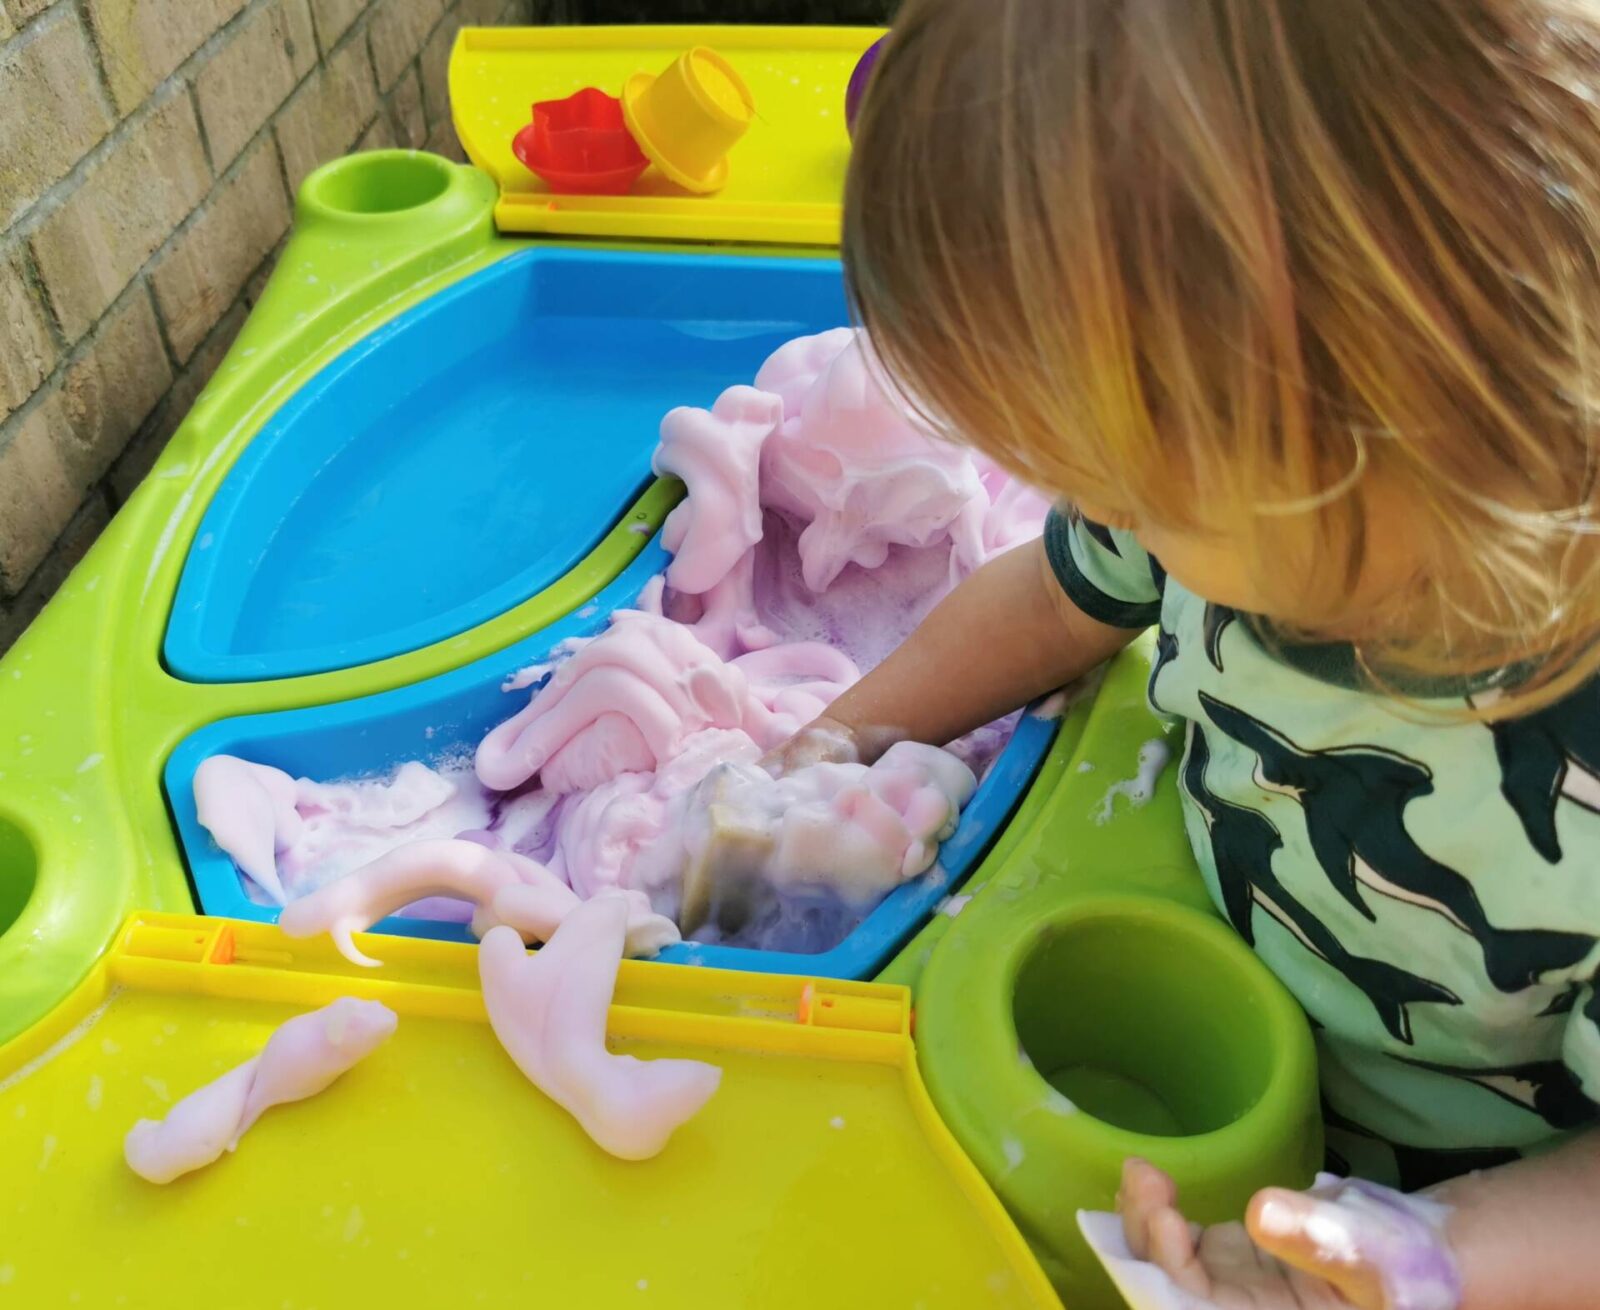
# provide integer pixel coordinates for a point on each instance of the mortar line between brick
(95, 58)
(162, 330)
(33, 279)
(372, 60)
(205, 137)
(27, 29)
(277, 153)
(422, 97)
(316, 31)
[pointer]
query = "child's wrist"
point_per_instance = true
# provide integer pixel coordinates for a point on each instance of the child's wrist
(1401, 1238)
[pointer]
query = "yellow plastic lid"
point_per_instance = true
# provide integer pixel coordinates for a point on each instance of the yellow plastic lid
(435, 1174)
(781, 182)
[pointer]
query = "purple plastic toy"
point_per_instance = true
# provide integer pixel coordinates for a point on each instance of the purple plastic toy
(858, 83)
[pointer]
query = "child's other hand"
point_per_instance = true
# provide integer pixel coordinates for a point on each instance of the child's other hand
(1241, 1266)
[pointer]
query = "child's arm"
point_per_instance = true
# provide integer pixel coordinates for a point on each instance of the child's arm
(1528, 1234)
(1005, 635)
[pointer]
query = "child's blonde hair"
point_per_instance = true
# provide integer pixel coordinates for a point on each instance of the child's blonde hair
(1229, 265)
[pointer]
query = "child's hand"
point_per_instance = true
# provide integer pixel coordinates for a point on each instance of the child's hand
(1281, 1257)
(1221, 1265)
(822, 741)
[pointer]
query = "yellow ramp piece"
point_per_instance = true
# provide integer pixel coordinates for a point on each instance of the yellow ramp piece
(434, 1174)
(785, 176)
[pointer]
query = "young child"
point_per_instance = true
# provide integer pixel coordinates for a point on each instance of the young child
(1296, 303)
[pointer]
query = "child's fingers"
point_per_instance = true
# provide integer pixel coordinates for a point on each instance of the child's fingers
(1145, 1185)
(1232, 1260)
(1145, 1190)
(1283, 1224)
(1172, 1250)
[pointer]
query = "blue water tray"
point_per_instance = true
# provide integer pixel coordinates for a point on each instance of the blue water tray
(470, 452)
(446, 716)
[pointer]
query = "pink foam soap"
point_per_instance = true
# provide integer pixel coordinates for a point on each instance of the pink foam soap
(457, 868)
(304, 1056)
(820, 524)
(549, 1012)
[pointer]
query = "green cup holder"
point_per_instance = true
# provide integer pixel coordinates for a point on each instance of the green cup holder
(1144, 1025)
(394, 217)
(1061, 1033)
(19, 872)
(377, 184)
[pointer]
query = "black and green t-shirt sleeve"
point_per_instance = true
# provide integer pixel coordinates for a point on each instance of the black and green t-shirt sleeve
(1105, 572)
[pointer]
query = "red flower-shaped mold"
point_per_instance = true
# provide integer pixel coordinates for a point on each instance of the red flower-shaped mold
(580, 145)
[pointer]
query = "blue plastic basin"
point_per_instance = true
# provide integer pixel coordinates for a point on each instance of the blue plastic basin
(469, 453)
(448, 715)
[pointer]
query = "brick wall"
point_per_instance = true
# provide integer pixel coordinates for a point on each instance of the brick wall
(149, 153)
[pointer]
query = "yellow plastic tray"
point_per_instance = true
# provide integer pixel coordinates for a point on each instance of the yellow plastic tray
(786, 176)
(434, 1175)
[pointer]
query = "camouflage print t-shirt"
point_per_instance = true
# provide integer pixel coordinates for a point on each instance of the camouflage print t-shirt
(1428, 889)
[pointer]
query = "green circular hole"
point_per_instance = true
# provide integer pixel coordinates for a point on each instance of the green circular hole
(1144, 1025)
(19, 871)
(382, 182)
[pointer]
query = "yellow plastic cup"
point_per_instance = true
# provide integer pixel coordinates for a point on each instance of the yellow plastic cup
(688, 117)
